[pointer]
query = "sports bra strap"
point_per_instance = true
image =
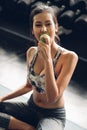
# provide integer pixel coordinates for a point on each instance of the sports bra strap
(34, 58)
(54, 60)
(57, 56)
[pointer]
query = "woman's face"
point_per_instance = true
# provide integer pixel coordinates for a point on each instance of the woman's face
(44, 23)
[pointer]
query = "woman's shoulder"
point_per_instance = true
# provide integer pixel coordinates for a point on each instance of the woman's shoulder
(31, 51)
(68, 54)
(30, 54)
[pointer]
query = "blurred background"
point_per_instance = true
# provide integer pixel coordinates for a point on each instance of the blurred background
(15, 40)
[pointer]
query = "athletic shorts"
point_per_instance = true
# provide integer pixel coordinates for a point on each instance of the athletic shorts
(29, 112)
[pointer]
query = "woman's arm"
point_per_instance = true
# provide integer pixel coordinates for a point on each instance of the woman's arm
(23, 89)
(20, 91)
(55, 88)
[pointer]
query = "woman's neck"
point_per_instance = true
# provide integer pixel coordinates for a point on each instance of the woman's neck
(54, 49)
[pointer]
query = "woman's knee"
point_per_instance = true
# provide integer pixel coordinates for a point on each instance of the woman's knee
(4, 120)
(47, 124)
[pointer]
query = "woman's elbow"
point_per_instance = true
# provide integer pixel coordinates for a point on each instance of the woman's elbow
(52, 99)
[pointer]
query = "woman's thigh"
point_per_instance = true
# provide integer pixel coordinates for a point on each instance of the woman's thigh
(50, 124)
(11, 123)
(11, 108)
(20, 111)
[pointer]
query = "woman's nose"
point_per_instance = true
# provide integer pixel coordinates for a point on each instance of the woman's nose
(43, 29)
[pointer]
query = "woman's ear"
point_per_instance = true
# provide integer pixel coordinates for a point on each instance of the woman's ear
(56, 28)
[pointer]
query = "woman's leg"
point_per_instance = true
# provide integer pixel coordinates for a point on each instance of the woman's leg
(11, 123)
(16, 124)
(20, 111)
(14, 109)
(50, 124)
(4, 120)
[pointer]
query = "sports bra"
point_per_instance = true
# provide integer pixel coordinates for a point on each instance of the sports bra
(38, 81)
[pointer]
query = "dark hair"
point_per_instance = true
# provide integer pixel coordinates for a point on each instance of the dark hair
(39, 8)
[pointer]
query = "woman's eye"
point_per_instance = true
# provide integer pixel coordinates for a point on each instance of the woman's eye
(48, 24)
(38, 25)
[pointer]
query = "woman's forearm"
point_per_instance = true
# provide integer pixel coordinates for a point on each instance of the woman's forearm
(51, 86)
(22, 90)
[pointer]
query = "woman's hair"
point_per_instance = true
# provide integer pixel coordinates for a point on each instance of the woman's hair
(39, 8)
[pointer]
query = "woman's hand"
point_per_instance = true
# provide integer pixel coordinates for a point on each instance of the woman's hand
(44, 47)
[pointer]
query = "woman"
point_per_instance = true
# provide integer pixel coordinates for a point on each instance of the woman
(50, 68)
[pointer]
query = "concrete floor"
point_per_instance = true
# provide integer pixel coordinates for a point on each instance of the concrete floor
(13, 73)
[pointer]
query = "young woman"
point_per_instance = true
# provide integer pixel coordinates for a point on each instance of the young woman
(50, 68)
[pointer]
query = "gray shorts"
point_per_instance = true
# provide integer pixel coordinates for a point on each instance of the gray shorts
(50, 124)
(34, 115)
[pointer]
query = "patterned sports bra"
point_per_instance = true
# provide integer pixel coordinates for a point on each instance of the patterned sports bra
(38, 81)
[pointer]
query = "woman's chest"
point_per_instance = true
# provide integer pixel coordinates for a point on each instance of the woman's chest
(39, 67)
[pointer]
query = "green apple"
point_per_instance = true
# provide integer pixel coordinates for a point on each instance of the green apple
(42, 37)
